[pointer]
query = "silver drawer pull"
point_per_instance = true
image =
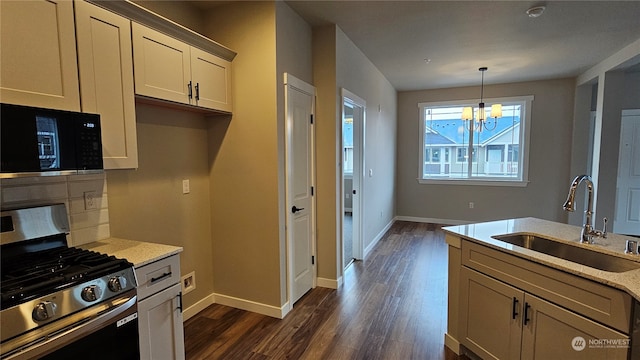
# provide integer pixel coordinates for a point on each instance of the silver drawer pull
(163, 276)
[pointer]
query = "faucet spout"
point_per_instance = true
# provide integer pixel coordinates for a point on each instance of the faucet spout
(588, 232)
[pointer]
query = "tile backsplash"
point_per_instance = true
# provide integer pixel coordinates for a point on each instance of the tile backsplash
(84, 195)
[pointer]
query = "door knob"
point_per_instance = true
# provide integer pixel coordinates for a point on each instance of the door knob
(294, 209)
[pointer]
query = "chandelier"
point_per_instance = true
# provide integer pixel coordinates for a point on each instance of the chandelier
(481, 115)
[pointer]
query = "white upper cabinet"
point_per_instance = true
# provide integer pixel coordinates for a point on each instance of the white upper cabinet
(106, 81)
(38, 54)
(169, 69)
(212, 78)
(162, 65)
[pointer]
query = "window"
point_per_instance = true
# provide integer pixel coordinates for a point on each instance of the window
(496, 156)
(347, 140)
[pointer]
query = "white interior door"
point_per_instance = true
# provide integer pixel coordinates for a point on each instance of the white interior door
(299, 98)
(627, 216)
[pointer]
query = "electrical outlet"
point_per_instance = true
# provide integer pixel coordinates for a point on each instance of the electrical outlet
(186, 187)
(471, 205)
(188, 283)
(90, 202)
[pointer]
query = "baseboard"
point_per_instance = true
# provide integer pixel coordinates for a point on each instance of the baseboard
(197, 307)
(432, 220)
(329, 283)
(451, 343)
(375, 240)
(264, 309)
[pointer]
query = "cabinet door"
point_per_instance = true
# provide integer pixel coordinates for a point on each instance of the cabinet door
(211, 76)
(106, 81)
(160, 325)
(162, 65)
(490, 316)
(553, 332)
(38, 54)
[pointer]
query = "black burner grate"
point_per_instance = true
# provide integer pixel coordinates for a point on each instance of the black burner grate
(35, 274)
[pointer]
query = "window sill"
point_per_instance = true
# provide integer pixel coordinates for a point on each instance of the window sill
(467, 182)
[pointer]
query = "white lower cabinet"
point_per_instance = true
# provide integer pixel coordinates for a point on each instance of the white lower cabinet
(500, 321)
(555, 332)
(160, 310)
(160, 322)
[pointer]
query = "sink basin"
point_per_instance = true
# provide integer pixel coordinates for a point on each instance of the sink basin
(570, 252)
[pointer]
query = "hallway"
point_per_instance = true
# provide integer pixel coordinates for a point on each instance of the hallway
(391, 306)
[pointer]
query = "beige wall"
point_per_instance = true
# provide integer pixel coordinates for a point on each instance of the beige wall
(293, 52)
(244, 159)
(327, 113)
(147, 204)
(177, 11)
(338, 63)
(244, 253)
(580, 142)
(549, 159)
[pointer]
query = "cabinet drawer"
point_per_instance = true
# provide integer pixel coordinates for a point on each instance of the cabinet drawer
(157, 276)
(594, 300)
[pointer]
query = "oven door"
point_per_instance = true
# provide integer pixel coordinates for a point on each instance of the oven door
(105, 331)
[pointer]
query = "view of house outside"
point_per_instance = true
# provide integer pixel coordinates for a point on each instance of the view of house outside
(495, 149)
(347, 140)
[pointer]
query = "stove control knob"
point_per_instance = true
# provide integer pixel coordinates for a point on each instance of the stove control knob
(44, 310)
(117, 283)
(91, 293)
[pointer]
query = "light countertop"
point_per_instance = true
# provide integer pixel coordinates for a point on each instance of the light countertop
(137, 252)
(614, 244)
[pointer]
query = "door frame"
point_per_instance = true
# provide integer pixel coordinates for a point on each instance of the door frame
(291, 81)
(358, 174)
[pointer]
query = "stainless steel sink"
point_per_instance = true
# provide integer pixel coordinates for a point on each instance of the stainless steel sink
(570, 252)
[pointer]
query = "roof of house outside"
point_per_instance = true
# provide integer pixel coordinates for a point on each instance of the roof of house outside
(455, 131)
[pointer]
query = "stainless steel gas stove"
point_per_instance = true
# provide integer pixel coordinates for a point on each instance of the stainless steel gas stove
(58, 301)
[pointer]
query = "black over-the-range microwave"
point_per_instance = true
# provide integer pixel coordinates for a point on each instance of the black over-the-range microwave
(36, 142)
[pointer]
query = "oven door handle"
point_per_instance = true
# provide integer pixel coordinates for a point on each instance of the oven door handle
(36, 347)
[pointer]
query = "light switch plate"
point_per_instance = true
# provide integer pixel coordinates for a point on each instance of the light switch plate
(186, 188)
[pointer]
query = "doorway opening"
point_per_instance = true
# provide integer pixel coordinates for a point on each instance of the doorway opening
(353, 117)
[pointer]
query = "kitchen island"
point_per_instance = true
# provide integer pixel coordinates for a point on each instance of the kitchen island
(507, 301)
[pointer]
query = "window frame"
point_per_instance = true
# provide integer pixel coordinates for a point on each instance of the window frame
(523, 157)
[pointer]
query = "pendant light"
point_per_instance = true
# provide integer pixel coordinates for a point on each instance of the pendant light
(496, 109)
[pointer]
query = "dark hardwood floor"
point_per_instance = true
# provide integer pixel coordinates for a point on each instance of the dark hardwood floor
(391, 306)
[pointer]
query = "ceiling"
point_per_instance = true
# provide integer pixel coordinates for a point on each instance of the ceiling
(458, 37)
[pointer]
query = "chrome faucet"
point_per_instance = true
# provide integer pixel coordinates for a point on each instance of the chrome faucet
(588, 232)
